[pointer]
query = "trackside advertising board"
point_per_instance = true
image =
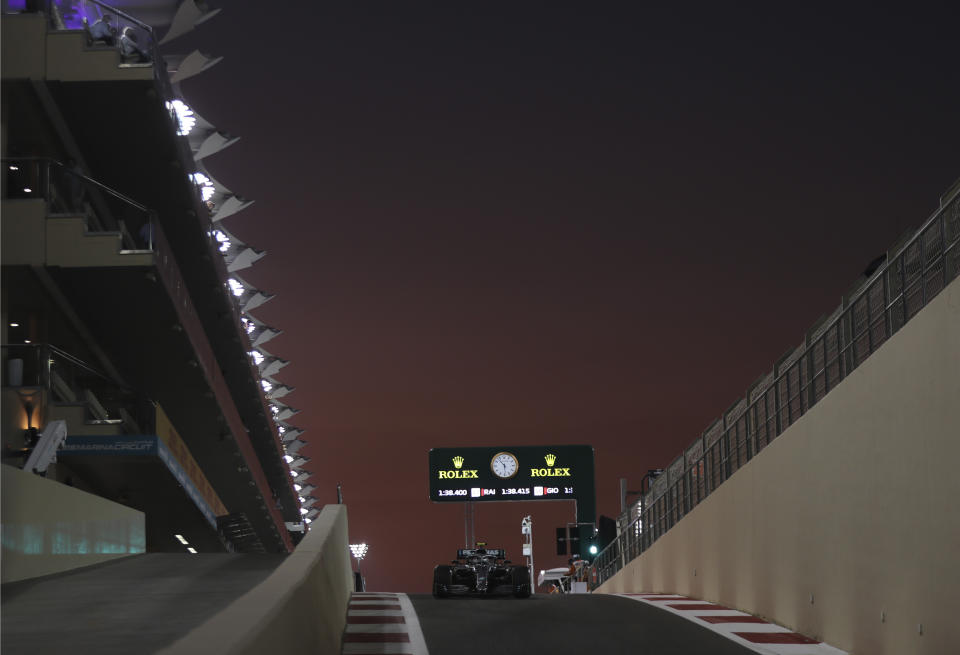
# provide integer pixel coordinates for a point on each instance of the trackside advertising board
(511, 473)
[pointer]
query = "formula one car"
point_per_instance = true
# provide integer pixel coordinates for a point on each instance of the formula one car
(481, 571)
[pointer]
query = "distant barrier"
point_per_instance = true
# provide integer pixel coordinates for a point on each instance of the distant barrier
(300, 608)
(914, 272)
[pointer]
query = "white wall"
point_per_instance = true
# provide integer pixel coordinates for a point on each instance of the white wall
(846, 527)
(49, 527)
(300, 608)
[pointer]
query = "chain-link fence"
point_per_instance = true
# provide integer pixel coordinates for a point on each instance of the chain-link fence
(914, 271)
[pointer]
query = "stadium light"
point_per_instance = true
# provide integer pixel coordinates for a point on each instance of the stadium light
(359, 550)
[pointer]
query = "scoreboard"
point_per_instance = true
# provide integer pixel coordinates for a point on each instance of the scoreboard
(511, 473)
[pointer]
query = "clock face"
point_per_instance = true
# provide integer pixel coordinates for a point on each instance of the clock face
(504, 465)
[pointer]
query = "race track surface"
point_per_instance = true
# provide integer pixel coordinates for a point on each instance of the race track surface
(135, 605)
(583, 624)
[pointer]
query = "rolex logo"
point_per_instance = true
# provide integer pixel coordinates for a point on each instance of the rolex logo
(550, 458)
(458, 461)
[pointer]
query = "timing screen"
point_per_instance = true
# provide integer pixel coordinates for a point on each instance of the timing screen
(510, 473)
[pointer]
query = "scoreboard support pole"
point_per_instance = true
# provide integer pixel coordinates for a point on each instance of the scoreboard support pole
(469, 527)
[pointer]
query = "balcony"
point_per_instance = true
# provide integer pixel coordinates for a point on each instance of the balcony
(120, 446)
(128, 291)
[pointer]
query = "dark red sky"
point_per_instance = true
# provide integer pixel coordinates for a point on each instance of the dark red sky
(494, 224)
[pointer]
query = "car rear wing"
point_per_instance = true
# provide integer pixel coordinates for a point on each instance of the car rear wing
(464, 553)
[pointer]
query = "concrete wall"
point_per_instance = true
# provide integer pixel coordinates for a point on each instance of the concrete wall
(29, 237)
(69, 60)
(24, 231)
(69, 245)
(301, 607)
(43, 531)
(23, 46)
(846, 527)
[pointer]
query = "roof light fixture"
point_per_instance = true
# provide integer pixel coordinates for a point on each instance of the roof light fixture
(223, 240)
(186, 121)
(205, 184)
(235, 287)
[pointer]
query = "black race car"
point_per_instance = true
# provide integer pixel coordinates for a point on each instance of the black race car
(482, 571)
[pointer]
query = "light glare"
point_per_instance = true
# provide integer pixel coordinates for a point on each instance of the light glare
(222, 239)
(205, 184)
(185, 118)
(235, 287)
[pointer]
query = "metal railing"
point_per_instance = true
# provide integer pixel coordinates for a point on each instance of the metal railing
(106, 26)
(68, 380)
(914, 271)
(68, 192)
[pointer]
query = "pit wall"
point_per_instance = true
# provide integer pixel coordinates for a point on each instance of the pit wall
(300, 608)
(44, 534)
(845, 527)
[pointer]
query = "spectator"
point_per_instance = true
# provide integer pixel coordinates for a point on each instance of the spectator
(129, 47)
(103, 31)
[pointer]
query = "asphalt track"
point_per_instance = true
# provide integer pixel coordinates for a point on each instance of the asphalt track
(135, 605)
(576, 624)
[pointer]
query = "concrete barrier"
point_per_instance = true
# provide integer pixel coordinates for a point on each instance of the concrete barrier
(846, 526)
(300, 608)
(49, 527)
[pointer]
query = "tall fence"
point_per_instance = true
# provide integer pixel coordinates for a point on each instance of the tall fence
(915, 270)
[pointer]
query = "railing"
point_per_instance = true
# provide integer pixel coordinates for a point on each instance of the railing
(67, 191)
(107, 26)
(68, 380)
(915, 271)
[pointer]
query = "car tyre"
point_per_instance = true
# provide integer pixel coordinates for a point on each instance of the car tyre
(442, 579)
(521, 582)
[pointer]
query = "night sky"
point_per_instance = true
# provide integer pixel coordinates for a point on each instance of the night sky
(556, 223)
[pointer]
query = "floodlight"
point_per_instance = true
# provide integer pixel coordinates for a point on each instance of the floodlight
(359, 550)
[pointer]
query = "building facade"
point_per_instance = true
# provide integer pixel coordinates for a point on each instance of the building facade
(132, 366)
